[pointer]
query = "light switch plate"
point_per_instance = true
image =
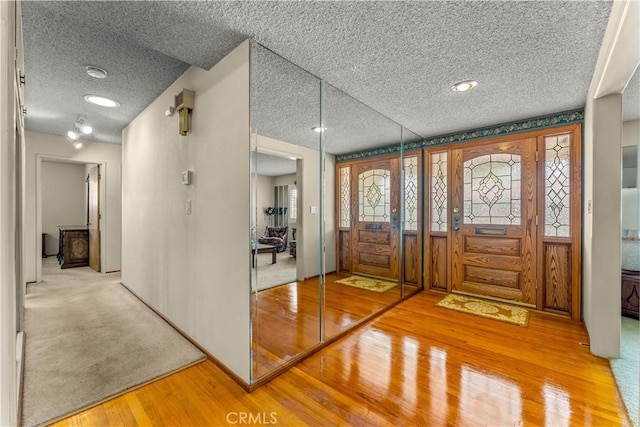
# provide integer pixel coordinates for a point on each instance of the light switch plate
(314, 209)
(187, 207)
(186, 177)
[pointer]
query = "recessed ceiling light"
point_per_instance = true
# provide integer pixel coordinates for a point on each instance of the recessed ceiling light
(101, 101)
(73, 135)
(318, 129)
(96, 72)
(464, 86)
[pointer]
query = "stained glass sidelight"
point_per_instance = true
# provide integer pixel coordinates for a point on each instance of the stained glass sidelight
(492, 189)
(557, 186)
(374, 195)
(345, 196)
(439, 192)
(410, 193)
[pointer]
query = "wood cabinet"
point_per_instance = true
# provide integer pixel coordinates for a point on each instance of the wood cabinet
(630, 295)
(73, 250)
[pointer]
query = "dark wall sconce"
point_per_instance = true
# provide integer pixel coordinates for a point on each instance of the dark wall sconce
(183, 103)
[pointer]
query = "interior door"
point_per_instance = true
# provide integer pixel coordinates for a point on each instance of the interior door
(493, 221)
(93, 221)
(376, 218)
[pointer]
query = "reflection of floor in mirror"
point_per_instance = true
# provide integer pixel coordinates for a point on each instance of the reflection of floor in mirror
(270, 275)
(286, 318)
(416, 365)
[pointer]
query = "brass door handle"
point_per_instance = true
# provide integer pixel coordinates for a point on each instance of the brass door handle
(455, 220)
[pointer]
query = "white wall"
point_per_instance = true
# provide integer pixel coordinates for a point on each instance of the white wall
(11, 151)
(289, 179)
(618, 58)
(42, 147)
(195, 268)
(63, 199)
(264, 199)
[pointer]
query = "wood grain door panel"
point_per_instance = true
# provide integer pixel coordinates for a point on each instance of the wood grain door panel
(93, 221)
(375, 238)
(494, 250)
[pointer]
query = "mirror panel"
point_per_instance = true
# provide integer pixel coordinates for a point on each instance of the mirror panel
(412, 220)
(334, 240)
(364, 212)
(285, 294)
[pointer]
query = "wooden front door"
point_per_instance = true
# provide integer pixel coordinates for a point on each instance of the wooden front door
(493, 220)
(93, 220)
(375, 221)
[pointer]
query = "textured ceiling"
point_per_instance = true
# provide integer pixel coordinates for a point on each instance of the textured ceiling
(269, 165)
(631, 98)
(399, 58)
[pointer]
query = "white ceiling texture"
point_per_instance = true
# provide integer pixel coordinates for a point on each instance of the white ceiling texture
(400, 58)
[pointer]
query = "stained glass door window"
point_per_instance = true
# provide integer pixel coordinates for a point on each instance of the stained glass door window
(374, 195)
(345, 196)
(439, 191)
(557, 188)
(411, 193)
(492, 192)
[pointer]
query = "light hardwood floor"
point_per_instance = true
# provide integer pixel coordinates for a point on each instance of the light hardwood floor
(417, 364)
(286, 318)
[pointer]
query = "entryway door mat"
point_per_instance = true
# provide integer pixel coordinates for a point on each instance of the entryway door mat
(368, 283)
(485, 308)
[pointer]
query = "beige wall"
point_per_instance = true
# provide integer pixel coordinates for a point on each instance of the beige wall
(601, 245)
(42, 147)
(194, 269)
(11, 208)
(63, 199)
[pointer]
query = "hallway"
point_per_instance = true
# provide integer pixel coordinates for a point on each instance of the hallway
(88, 339)
(418, 364)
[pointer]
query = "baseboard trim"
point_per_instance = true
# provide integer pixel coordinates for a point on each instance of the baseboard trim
(210, 356)
(21, 340)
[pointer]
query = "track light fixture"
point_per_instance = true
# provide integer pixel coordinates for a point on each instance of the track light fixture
(80, 129)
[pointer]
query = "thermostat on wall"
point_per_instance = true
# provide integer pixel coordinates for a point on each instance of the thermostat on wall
(186, 177)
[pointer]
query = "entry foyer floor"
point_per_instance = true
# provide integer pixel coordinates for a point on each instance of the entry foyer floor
(417, 364)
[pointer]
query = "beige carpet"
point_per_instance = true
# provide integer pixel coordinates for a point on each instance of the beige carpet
(626, 369)
(271, 275)
(87, 339)
(485, 308)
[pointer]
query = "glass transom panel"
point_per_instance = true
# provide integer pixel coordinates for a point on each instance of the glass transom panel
(410, 165)
(345, 197)
(439, 191)
(374, 195)
(557, 187)
(491, 189)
